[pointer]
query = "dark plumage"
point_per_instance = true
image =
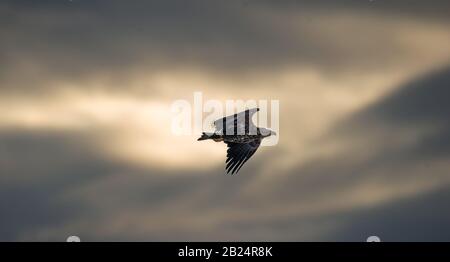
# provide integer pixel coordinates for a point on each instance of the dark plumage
(241, 136)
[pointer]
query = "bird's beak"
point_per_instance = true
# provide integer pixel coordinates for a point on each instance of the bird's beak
(273, 133)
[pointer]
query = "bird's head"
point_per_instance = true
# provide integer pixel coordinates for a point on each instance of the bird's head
(264, 132)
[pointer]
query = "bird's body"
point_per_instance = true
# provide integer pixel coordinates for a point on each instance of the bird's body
(242, 137)
(246, 138)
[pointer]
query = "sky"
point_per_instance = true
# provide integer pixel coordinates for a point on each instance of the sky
(86, 146)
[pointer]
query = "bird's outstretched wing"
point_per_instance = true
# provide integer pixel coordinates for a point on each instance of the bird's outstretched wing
(237, 124)
(239, 153)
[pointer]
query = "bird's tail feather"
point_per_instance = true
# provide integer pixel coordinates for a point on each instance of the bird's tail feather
(205, 136)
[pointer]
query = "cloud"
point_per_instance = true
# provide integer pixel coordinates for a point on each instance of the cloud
(419, 218)
(102, 199)
(84, 41)
(85, 130)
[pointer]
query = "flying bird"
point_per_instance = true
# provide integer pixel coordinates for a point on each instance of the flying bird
(241, 136)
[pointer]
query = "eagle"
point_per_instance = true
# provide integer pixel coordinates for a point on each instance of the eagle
(241, 136)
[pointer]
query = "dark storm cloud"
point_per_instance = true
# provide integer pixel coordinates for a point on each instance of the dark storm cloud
(421, 218)
(36, 169)
(66, 40)
(437, 9)
(51, 180)
(419, 104)
(56, 183)
(72, 187)
(420, 101)
(40, 169)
